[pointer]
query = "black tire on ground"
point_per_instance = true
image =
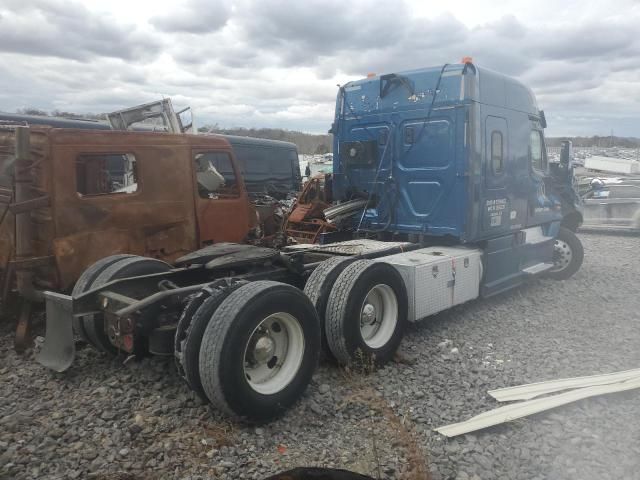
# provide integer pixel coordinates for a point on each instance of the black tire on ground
(567, 256)
(127, 267)
(318, 288)
(199, 321)
(229, 347)
(84, 282)
(379, 283)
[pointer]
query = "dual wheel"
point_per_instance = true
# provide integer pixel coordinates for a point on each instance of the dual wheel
(250, 349)
(362, 306)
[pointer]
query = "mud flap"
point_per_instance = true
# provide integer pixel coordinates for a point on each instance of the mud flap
(58, 350)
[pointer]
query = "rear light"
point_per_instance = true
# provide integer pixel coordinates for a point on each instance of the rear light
(127, 342)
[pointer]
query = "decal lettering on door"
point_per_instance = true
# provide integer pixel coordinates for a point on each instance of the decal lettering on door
(495, 209)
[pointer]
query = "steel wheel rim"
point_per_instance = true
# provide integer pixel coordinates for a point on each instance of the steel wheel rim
(273, 355)
(562, 255)
(378, 316)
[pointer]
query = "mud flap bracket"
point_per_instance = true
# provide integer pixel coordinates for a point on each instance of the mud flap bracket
(58, 350)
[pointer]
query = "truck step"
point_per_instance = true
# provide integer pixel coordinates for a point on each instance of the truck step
(537, 268)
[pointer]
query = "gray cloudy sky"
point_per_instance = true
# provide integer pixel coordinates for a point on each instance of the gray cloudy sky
(276, 63)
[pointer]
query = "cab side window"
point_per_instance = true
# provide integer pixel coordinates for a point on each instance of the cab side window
(215, 175)
(106, 174)
(535, 151)
(497, 155)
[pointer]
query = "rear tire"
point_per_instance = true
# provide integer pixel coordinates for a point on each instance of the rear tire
(84, 282)
(127, 267)
(205, 306)
(366, 314)
(259, 350)
(567, 256)
(318, 288)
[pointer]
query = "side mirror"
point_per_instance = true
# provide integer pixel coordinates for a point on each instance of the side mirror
(543, 119)
(566, 152)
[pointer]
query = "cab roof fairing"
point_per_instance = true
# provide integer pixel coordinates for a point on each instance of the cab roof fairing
(502, 91)
(415, 90)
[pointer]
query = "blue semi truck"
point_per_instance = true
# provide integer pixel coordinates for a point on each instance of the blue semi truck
(459, 203)
(455, 153)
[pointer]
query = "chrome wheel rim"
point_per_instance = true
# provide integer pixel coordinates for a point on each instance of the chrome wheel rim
(562, 255)
(273, 355)
(378, 316)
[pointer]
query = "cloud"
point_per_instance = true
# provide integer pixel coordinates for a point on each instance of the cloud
(302, 31)
(194, 17)
(70, 30)
(254, 63)
(596, 39)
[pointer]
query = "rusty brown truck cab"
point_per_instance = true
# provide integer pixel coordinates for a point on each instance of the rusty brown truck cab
(72, 197)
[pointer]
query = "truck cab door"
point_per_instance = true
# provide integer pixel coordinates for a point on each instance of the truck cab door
(504, 206)
(110, 193)
(223, 210)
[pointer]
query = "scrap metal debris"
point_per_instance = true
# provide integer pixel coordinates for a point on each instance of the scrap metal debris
(532, 390)
(529, 407)
(158, 116)
(306, 221)
(338, 214)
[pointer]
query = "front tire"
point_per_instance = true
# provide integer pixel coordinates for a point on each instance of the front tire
(259, 350)
(568, 255)
(366, 313)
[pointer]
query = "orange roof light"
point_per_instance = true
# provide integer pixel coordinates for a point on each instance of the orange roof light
(371, 75)
(467, 60)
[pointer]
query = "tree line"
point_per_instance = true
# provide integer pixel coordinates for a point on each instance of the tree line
(308, 143)
(596, 141)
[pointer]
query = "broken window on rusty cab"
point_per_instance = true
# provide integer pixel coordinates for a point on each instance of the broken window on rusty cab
(106, 174)
(215, 174)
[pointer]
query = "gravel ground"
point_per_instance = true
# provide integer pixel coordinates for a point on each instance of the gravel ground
(106, 420)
